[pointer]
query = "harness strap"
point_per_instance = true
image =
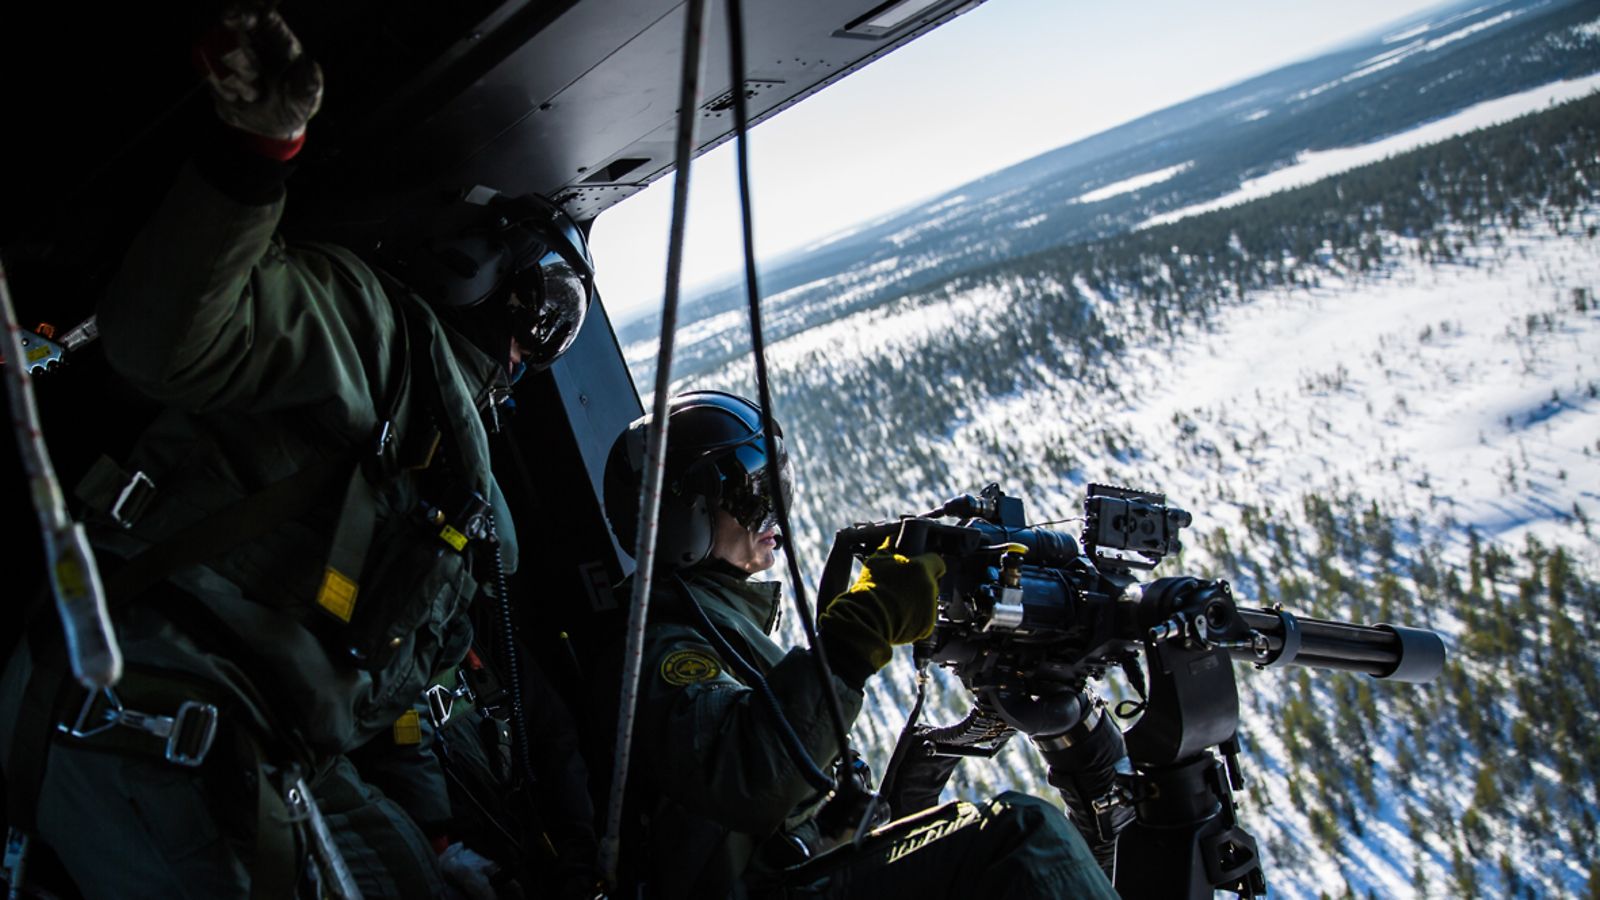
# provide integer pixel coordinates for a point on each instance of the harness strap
(36, 718)
(230, 527)
(30, 740)
(274, 861)
(166, 715)
(235, 525)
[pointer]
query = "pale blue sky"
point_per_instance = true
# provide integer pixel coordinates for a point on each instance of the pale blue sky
(1005, 82)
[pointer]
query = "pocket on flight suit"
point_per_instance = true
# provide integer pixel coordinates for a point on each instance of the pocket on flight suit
(415, 577)
(130, 827)
(171, 804)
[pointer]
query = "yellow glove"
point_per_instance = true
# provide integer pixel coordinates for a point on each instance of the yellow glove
(894, 601)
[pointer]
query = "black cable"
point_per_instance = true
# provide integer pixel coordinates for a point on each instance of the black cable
(741, 124)
(508, 654)
(483, 809)
(791, 739)
(902, 746)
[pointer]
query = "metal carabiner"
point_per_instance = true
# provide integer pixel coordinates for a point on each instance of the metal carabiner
(189, 733)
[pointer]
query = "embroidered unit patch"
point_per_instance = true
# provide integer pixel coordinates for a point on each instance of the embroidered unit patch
(683, 667)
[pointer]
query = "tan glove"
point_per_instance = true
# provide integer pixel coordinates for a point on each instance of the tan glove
(261, 80)
(894, 601)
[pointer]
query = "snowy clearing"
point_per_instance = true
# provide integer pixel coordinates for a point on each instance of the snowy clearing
(1314, 165)
(1129, 185)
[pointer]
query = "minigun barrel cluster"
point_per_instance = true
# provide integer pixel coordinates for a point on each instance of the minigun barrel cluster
(1395, 652)
(1036, 608)
(1027, 616)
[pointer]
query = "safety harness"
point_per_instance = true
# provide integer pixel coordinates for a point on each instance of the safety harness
(177, 718)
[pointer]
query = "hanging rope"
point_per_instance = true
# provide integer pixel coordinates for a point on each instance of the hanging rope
(656, 441)
(74, 577)
(741, 125)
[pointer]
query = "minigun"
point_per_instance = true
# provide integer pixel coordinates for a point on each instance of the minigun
(1028, 616)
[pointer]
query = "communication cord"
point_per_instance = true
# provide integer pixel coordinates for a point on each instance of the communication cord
(741, 125)
(694, 30)
(791, 740)
(513, 666)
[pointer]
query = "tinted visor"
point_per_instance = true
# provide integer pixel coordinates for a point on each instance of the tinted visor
(747, 487)
(553, 282)
(549, 304)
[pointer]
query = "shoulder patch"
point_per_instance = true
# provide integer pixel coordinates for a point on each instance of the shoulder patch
(684, 667)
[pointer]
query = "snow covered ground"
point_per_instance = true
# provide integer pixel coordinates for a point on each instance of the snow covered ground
(1128, 185)
(1466, 391)
(1314, 165)
(1465, 387)
(1397, 55)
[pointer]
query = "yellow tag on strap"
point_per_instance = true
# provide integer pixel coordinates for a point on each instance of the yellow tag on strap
(337, 594)
(408, 728)
(453, 537)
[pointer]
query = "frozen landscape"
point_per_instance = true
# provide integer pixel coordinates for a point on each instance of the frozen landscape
(1456, 399)
(1367, 366)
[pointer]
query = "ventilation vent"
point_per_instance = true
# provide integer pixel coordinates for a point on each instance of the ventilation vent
(616, 170)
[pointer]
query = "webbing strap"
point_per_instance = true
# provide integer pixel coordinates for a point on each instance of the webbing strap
(358, 513)
(230, 527)
(30, 740)
(347, 553)
(274, 862)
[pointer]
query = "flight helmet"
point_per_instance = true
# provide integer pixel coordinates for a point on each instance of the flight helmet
(716, 458)
(521, 269)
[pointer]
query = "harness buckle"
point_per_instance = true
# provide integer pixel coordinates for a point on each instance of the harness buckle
(441, 700)
(383, 438)
(132, 499)
(188, 733)
(194, 729)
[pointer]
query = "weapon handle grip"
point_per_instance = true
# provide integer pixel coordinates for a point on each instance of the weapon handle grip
(912, 538)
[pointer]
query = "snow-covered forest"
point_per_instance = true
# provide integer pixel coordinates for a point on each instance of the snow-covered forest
(1379, 396)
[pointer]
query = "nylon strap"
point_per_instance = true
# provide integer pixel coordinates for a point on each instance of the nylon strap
(274, 866)
(274, 862)
(245, 520)
(232, 526)
(30, 741)
(347, 556)
(340, 589)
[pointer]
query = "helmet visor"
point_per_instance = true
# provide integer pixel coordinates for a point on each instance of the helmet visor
(548, 307)
(747, 485)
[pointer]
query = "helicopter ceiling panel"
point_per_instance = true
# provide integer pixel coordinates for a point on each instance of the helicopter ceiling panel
(575, 99)
(582, 107)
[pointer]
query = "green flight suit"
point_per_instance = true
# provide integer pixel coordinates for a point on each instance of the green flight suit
(268, 358)
(723, 811)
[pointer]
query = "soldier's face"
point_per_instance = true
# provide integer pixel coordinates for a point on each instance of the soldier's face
(746, 550)
(515, 359)
(517, 352)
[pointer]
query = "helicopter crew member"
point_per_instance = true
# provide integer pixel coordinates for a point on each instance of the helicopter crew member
(719, 805)
(292, 548)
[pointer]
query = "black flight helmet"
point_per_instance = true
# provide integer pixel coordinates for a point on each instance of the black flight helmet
(716, 459)
(521, 271)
